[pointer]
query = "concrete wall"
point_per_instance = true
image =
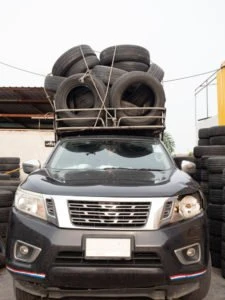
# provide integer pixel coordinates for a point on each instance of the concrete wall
(26, 144)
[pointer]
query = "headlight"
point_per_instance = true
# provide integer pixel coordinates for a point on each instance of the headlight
(30, 203)
(186, 207)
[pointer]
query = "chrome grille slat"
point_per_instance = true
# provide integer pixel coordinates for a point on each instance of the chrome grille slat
(109, 214)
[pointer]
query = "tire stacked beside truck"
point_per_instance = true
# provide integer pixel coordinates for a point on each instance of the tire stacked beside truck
(9, 181)
(121, 77)
(210, 160)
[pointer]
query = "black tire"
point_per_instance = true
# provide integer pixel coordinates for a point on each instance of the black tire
(215, 212)
(198, 163)
(130, 66)
(15, 175)
(103, 72)
(70, 57)
(216, 259)
(217, 140)
(216, 196)
(223, 178)
(68, 86)
(200, 151)
(10, 188)
(216, 131)
(204, 187)
(204, 175)
(215, 227)
(80, 66)
(197, 175)
(8, 167)
(223, 249)
(204, 287)
(204, 162)
(215, 243)
(4, 214)
(12, 182)
(215, 181)
(216, 164)
(22, 295)
(203, 142)
(156, 71)
(2, 253)
(9, 160)
(5, 177)
(120, 87)
(203, 133)
(53, 82)
(125, 53)
(6, 198)
(223, 268)
(223, 234)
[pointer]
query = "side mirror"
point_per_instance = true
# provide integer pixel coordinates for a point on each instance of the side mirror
(188, 167)
(31, 166)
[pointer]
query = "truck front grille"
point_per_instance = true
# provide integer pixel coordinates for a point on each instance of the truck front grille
(76, 258)
(109, 214)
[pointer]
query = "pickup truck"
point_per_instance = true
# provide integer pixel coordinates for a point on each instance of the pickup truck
(109, 216)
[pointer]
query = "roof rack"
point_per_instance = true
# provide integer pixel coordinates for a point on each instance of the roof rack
(66, 121)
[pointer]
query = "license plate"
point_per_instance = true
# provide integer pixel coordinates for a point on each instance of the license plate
(108, 248)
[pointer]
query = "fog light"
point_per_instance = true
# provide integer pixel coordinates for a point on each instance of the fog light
(25, 252)
(191, 252)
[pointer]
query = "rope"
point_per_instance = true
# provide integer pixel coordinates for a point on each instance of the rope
(12, 171)
(107, 88)
(88, 73)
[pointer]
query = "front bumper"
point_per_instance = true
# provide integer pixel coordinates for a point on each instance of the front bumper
(61, 268)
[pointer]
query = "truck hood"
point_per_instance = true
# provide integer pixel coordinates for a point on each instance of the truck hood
(111, 183)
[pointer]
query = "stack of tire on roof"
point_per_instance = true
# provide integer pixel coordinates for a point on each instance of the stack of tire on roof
(9, 181)
(122, 76)
(210, 160)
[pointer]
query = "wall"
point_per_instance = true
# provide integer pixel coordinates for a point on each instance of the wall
(26, 144)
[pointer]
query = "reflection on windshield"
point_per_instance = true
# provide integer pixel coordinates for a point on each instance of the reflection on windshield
(116, 154)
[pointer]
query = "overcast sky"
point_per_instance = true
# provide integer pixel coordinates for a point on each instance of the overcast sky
(184, 37)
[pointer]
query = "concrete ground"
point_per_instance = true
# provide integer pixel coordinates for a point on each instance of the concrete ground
(216, 292)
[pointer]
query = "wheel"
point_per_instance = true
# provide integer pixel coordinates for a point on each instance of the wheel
(217, 140)
(80, 66)
(22, 295)
(215, 211)
(200, 151)
(203, 289)
(125, 53)
(9, 160)
(52, 82)
(66, 98)
(120, 90)
(203, 142)
(203, 133)
(70, 57)
(216, 131)
(6, 198)
(130, 66)
(215, 181)
(216, 164)
(103, 73)
(156, 71)
(2, 254)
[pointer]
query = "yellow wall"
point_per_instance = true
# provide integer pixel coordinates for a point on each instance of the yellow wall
(221, 95)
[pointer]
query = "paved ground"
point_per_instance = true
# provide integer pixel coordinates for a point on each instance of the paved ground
(216, 292)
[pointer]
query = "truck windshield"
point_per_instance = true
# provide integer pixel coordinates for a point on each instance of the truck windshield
(99, 154)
